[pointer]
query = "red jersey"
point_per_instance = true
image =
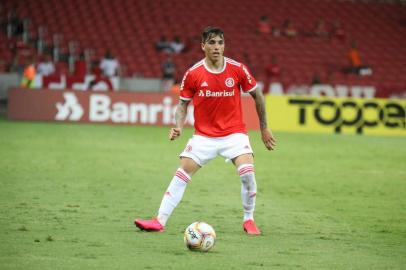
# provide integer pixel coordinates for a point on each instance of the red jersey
(217, 97)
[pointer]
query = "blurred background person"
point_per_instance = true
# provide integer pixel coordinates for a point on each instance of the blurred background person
(177, 46)
(109, 65)
(46, 67)
(80, 66)
(263, 25)
(163, 45)
(320, 29)
(289, 29)
(29, 74)
(356, 65)
(168, 69)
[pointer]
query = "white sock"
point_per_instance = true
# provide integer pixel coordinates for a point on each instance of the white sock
(248, 189)
(173, 195)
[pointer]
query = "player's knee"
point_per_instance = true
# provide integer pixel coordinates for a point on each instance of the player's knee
(247, 175)
(245, 169)
(189, 166)
(183, 175)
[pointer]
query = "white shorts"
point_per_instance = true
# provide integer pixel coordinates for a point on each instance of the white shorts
(203, 149)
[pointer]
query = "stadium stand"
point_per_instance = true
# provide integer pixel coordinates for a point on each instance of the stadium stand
(131, 28)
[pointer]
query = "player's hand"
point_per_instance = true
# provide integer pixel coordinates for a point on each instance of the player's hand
(174, 133)
(268, 139)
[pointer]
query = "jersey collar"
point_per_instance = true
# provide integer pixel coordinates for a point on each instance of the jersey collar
(212, 71)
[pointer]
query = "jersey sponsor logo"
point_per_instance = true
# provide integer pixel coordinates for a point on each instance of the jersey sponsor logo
(229, 82)
(70, 109)
(211, 93)
(204, 84)
(249, 78)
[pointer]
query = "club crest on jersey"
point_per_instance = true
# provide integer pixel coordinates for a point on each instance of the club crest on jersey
(229, 82)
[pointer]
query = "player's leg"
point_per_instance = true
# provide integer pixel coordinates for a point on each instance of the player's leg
(237, 147)
(197, 153)
(176, 188)
(245, 167)
(172, 196)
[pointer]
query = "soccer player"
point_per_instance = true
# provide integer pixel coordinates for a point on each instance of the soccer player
(215, 84)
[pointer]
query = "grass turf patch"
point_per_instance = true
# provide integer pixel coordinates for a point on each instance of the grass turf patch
(69, 194)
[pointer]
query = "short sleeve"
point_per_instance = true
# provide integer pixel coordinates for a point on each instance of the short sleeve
(187, 90)
(247, 81)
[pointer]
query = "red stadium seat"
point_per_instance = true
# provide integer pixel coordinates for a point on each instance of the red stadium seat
(131, 28)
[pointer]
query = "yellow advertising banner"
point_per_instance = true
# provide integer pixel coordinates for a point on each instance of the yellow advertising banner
(337, 115)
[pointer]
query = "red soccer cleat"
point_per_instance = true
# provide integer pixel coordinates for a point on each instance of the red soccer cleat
(250, 227)
(151, 225)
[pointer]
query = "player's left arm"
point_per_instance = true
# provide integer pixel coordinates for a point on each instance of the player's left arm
(266, 133)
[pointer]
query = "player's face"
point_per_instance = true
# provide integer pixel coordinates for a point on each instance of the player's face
(214, 48)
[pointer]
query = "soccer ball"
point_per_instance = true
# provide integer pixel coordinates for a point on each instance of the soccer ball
(199, 236)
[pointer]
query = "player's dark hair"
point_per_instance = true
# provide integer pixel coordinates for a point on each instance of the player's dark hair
(210, 32)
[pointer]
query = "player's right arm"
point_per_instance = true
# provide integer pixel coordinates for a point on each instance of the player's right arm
(180, 116)
(186, 94)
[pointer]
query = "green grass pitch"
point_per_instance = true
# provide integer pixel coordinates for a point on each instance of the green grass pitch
(69, 194)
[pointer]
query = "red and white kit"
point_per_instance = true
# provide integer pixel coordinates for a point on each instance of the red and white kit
(219, 126)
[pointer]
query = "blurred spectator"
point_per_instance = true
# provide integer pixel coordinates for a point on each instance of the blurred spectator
(289, 29)
(14, 24)
(80, 67)
(263, 26)
(356, 65)
(273, 70)
(276, 31)
(29, 74)
(96, 72)
(46, 67)
(109, 65)
(17, 46)
(337, 31)
(316, 79)
(99, 78)
(320, 29)
(168, 68)
(175, 89)
(163, 45)
(15, 66)
(177, 45)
